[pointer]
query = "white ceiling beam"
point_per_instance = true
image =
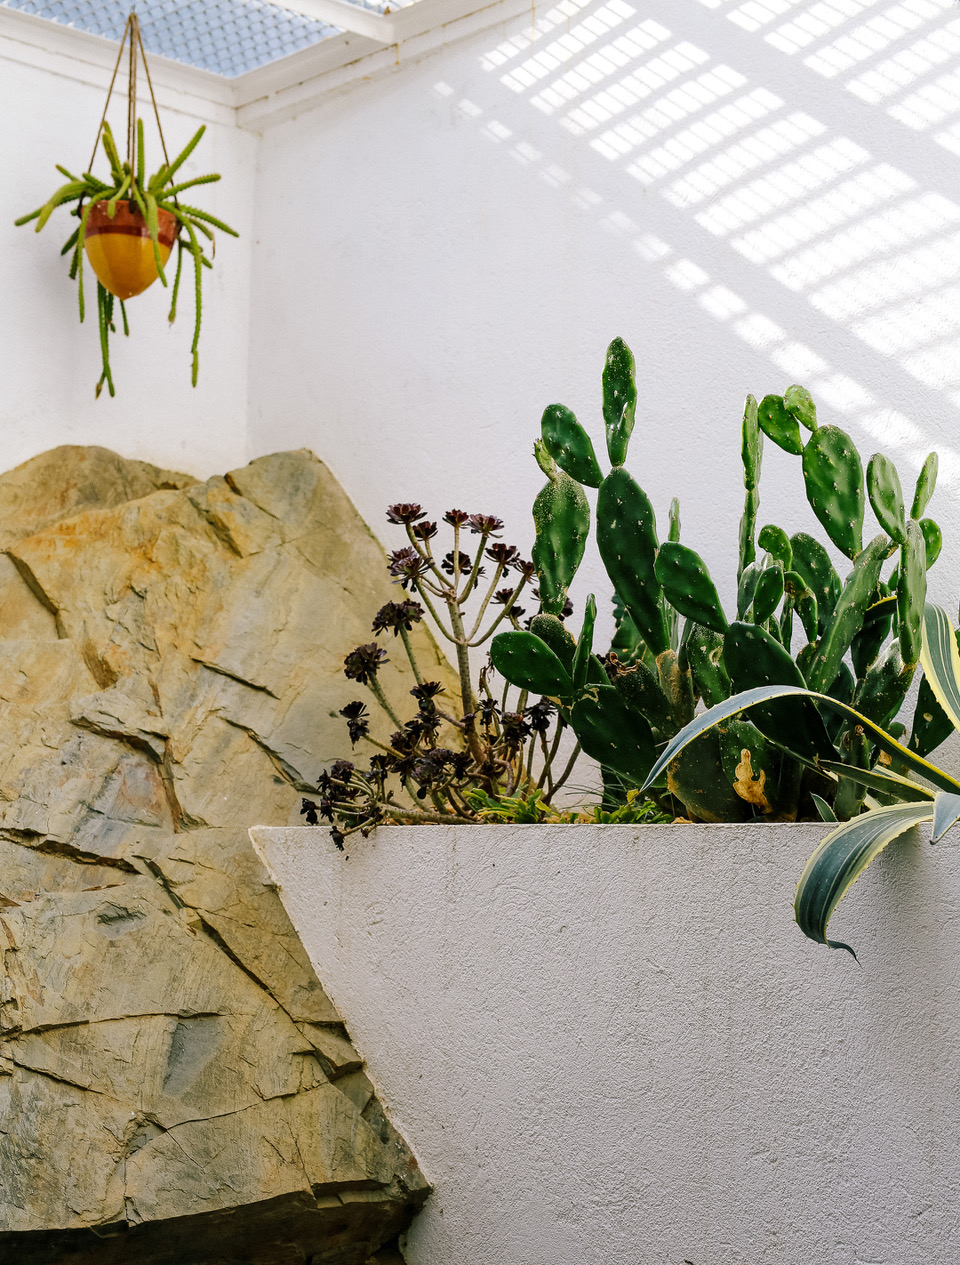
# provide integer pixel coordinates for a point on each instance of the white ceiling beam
(349, 17)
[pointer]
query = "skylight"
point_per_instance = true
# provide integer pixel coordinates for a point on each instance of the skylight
(228, 37)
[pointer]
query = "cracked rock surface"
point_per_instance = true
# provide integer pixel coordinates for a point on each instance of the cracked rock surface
(175, 1085)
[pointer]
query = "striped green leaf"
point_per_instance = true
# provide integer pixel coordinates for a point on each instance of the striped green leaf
(941, 661)
(946, 813)
(767, 693)
(840, 860)
(887, 783)
(823, 808)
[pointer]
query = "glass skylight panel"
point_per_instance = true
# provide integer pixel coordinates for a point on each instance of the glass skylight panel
(227, 37)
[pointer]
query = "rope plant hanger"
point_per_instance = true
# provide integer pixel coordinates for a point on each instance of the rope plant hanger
(129, 224)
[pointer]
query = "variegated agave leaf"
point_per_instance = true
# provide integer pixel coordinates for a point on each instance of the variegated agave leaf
(840, 860)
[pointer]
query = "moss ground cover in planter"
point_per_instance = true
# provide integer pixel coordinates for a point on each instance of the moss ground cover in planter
(612, 1043)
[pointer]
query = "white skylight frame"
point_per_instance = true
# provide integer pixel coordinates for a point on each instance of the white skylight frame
(278, 89)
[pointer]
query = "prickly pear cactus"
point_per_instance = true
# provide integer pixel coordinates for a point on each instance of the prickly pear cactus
(673, 645)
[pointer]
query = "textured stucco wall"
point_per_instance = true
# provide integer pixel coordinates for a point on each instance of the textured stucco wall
(611, 1044)
(751, 194)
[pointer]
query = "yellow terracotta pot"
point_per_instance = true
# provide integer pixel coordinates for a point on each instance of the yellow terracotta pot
(120, 250)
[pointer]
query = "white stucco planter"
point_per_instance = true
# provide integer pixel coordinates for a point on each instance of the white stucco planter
(612, 1046)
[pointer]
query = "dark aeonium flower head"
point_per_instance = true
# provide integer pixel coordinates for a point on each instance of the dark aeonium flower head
(407, 564)
(503, 555)
(464, 563)
(364, 662)
(538, 716)
(485, 524)
(426, 692)
(358, 720)
(405, 512)
(397, 615)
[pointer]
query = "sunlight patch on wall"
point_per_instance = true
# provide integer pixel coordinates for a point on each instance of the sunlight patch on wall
(896, 73)
(689, 144)
(761, 147)
(867, 41)
(542, 25)
(644, 81)
(816, 217)
(674, 107)
(792, 182)
(874, 253)
(799, 362)
(619, 53)
(569, 45)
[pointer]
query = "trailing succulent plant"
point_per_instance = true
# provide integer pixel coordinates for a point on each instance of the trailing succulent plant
(480, 756)
(675, 644)
(160, 192)
(895, 800)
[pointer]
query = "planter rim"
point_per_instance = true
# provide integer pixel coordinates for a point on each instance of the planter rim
(129, 221)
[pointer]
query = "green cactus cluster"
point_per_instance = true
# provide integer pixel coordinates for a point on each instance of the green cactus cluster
(797, 622)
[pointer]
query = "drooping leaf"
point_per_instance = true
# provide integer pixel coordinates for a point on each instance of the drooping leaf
(946, 813)
(687, 585)
(766, 694)
(887, 783)
(777, 543)
(570, 445)
(941, 661)
(840, 860)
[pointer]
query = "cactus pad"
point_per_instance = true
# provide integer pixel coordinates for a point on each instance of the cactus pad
(619, 399)
(833, 475)
(779, 425)
(627, 539)
(570, 445)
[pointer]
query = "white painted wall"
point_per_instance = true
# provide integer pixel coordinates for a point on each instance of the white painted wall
(612, 1044)
(750, 194)
(50, 362)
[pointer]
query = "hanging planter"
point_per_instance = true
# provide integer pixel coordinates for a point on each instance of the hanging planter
(129, 224)
(120, 249)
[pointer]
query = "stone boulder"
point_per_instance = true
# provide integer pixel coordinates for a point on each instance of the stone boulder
(175, 1086)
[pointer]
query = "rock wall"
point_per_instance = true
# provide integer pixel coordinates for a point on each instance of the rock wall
(175, 1086)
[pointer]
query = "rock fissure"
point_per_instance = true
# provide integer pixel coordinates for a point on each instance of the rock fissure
(233, 676)
(283, 766)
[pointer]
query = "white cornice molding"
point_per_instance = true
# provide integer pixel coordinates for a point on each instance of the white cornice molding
(271, 93)
(283, 89)
(90, 59)
(354, 18)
